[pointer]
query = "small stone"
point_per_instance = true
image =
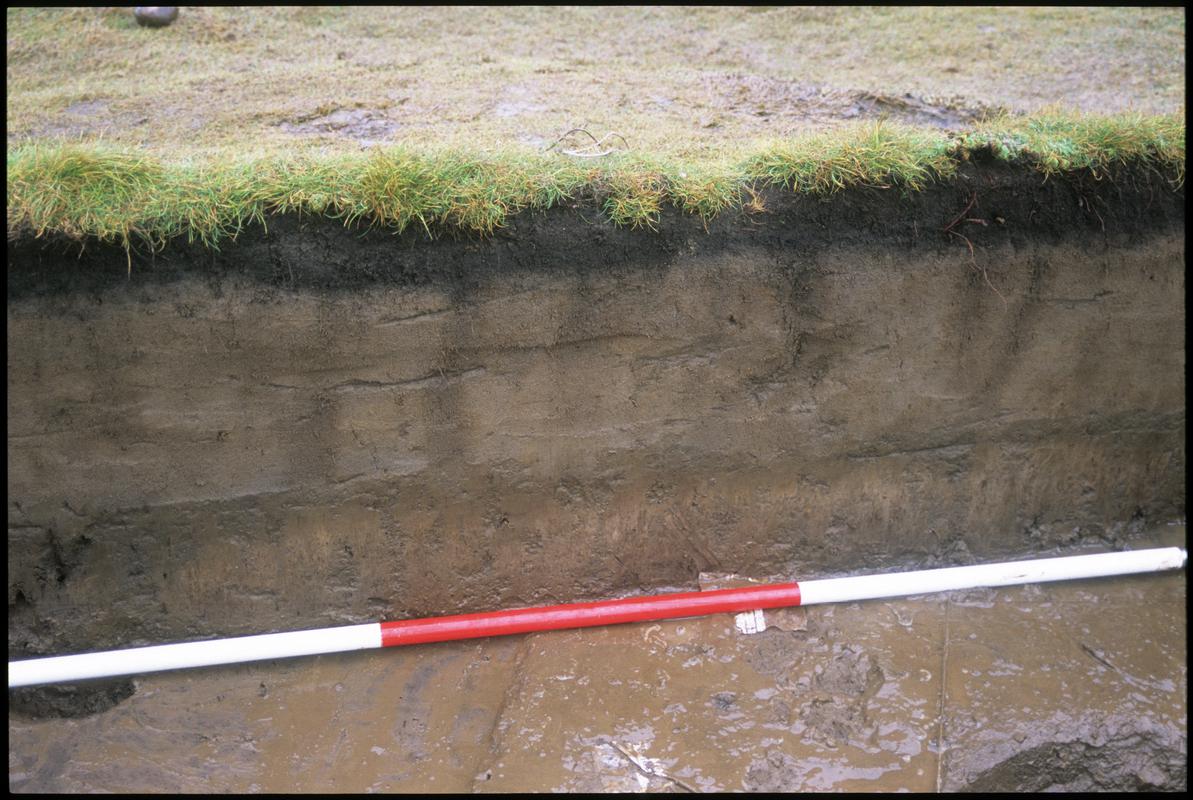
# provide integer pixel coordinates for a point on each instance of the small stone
(155, 16)
(1152, 776)
(788, 619)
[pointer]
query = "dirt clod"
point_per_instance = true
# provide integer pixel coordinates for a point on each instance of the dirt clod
(1132, 763)
(74, 700)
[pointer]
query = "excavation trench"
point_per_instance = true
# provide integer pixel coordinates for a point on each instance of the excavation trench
(318, 426)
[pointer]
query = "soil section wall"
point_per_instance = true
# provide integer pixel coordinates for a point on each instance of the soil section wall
(319, 426)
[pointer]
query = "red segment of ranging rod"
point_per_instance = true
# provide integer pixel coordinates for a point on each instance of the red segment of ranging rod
(583, 615)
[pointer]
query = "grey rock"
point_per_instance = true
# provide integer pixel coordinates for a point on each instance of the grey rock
(155, 16)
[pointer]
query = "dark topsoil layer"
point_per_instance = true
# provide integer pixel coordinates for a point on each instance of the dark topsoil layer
(1009, 205)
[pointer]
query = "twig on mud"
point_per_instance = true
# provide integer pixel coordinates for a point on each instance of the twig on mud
(1098, 655)
(588, 155)
(569, 133)
(649, 772)
(604, 139)
(596, 143)
(906, 623)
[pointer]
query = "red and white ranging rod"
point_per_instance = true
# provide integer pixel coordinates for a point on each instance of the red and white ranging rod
(139, 660)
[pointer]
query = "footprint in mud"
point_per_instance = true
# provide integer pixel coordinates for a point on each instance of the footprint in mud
(773, 100)
(772, 652)
(724, 700)
(849, 673)
(833, 721)
(835, 711)
(361, 124)
(409, 733)
(777, 772)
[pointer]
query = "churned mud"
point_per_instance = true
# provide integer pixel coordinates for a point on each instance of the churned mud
(1067, 686)
(753, 104)
(667, 79)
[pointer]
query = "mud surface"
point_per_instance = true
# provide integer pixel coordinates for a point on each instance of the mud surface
(317, 426)
(753, 103)
(1066, 686)
(672, 81)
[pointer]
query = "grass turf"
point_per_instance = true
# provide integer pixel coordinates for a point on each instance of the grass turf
(433, 117)
(136, 199)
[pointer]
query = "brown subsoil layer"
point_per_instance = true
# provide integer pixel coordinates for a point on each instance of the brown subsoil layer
(317, 425)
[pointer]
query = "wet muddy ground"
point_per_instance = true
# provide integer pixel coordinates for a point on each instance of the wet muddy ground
(1078, 686)
(753, 104)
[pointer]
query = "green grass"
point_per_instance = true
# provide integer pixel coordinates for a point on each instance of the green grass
(136, 199)
(1059, 143)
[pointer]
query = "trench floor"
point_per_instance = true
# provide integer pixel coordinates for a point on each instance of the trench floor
(921, 694)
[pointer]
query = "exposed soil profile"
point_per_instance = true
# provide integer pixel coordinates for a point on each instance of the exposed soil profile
(655, 299)
(319, 426)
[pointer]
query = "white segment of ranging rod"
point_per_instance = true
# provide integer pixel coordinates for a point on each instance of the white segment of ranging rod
(1009, 573)
(64, 669)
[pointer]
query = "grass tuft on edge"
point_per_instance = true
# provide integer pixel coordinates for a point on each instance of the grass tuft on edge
(1056, 142)
(92, 191)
